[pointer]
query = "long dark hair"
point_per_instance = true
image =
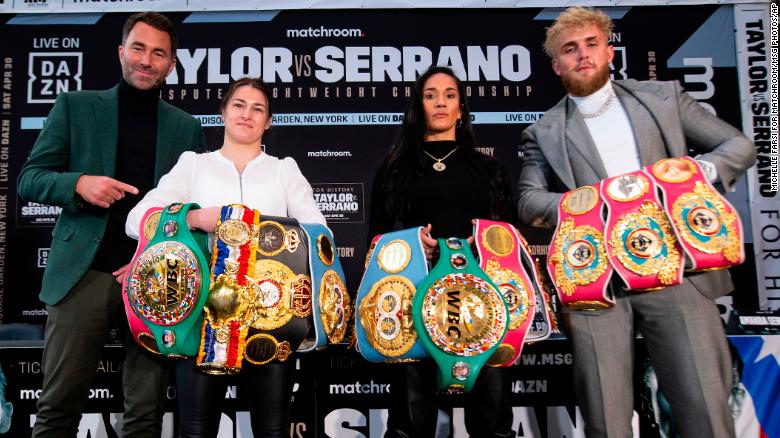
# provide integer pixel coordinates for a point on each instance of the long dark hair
(407, 160)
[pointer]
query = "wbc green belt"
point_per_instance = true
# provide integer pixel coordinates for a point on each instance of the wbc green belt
(459, 315)
(168, 284)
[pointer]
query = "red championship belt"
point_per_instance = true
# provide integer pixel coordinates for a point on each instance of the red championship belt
(640, 241)
(500, 250)
(140, 331)
(577, 258)
(707, 226)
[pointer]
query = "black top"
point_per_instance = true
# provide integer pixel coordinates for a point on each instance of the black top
(448, 200)
(135, 160)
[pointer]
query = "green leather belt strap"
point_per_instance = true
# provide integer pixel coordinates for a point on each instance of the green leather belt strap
(169, 283)
(460, 316)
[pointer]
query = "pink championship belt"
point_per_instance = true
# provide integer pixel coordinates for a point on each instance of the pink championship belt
(577, 258)
(640, 241)
(138, 328)
(500, 250)
(707, 226)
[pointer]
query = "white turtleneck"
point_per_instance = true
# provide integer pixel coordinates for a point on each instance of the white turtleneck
(610, 130)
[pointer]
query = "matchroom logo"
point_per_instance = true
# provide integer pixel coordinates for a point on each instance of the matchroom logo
(52, 73)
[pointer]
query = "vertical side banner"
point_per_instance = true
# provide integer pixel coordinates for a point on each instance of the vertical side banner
(758, 90)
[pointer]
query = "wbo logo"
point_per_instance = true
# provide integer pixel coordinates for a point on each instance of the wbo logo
(52, 73)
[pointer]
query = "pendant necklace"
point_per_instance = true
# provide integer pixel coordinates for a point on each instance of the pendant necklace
(438, 165)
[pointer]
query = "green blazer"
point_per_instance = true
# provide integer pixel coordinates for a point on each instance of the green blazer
(80, 137)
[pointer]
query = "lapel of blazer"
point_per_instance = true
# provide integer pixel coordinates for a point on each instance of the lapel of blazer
(106, 112)
(166, 130)
(634, 99)
(579, 139)
(552, 143)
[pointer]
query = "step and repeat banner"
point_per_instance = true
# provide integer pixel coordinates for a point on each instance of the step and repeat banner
(339, 395)
(340, 81)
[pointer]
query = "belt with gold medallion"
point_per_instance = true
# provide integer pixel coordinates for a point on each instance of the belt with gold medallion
(501, 253)
(577, 257)
(384, 329)
(138, 328)
(459, 315)
(226, 322)
(708, 227)
(331, 306)
(641, 243)
(167, 284)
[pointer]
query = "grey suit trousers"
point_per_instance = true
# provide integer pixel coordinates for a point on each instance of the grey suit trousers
(685, 341)
(76, 330)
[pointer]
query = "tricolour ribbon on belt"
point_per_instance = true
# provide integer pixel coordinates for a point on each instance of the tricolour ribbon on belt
(707, 226)
(140, 332)
(641, 244)
(384, 329)
(331, 303)
(167, 284)
(577, 257)
(226, 323)
(501, 252)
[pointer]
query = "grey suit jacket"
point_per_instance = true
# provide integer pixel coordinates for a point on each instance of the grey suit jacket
(559, 154)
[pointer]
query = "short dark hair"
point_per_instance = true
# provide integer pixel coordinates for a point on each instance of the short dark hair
(255, 83)
(157, 21)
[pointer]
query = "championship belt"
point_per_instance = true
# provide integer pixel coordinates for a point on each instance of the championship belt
(500, 253)
(167, 284)
(707, 226)
(383, 322)
(460, 316)
(281, 306)
(227, 311)
(640, 241)
(140, 332)
(331, 308)
(577, 257)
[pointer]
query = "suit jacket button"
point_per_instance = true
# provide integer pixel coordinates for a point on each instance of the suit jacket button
(97, 240)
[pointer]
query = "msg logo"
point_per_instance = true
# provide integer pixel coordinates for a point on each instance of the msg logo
(52, 73)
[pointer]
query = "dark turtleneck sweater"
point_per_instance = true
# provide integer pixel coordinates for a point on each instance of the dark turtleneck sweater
(135, 161)
(448, 200)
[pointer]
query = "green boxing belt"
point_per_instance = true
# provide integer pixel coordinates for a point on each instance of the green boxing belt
(459, 315)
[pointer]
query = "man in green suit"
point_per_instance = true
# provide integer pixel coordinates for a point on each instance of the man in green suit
(97, 155)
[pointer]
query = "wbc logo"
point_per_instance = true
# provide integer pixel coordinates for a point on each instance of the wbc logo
(52, 73)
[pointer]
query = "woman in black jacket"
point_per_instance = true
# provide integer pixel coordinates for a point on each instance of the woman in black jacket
(434, 176)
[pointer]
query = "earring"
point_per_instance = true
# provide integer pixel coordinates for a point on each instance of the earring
(460, 122)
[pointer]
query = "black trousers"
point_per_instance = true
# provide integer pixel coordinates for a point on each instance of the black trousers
(267, 388)
(413, 413)
(76, 330)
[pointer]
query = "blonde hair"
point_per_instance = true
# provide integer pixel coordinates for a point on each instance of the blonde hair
(572, 18)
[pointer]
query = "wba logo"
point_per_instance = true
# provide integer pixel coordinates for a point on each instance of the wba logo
(52, 73)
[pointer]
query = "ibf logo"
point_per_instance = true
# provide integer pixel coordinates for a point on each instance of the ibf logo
(52, 73)
(43, 257)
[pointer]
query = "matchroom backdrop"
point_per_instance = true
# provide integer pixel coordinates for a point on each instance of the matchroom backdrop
(340, 80)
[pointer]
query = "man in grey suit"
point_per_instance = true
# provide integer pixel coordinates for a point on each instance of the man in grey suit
(97, 155)
(604, 128)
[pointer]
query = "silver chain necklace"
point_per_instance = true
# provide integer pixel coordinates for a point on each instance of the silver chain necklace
(603, 108)
(438, 165)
